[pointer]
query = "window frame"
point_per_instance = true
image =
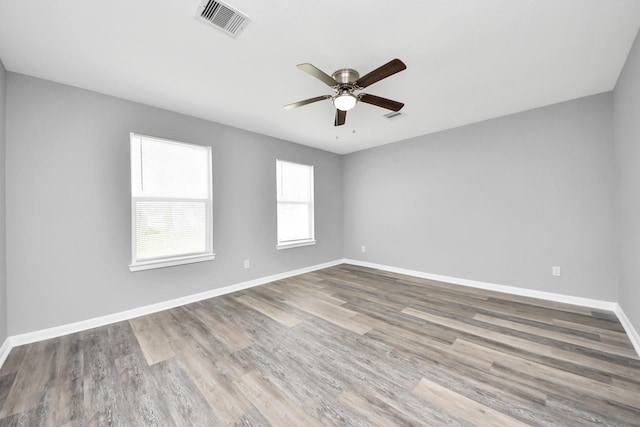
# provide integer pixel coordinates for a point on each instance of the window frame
(288, 244)
(187, 258)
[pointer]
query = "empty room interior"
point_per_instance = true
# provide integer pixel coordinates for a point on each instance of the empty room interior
(364, 213)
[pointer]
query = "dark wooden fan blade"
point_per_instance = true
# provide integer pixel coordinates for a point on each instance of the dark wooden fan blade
(318, 74)
(305, 102)
(388, 69)
(341, 117)
(381, 102)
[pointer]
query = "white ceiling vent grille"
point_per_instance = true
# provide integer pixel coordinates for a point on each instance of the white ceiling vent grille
(222, 17)
(394, 115)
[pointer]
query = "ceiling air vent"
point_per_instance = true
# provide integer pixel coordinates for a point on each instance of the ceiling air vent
(222, 17)
(394, 115)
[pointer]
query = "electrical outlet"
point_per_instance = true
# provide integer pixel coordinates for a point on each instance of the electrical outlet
(363, 248)
(555, 270)
(247, 263)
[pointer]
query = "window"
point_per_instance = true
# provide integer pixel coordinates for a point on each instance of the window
(171, 203)
(295, 204)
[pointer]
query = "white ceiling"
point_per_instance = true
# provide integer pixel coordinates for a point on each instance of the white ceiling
(467, 60)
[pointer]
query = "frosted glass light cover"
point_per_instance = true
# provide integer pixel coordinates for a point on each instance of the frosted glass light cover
(345, 102)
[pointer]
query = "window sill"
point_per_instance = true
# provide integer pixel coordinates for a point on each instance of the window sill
(295, 244)
(168, 262)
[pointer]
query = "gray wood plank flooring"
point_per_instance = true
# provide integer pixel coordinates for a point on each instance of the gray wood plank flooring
(348, 346)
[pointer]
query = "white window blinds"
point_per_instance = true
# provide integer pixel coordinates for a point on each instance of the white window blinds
(171, 201)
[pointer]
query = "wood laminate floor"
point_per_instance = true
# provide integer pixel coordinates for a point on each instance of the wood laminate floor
(341, 346)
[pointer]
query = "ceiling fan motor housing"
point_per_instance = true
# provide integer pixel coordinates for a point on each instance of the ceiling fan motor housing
(345, 76)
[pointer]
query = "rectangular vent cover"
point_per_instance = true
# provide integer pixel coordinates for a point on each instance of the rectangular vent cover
(394, 115)
(222, 17)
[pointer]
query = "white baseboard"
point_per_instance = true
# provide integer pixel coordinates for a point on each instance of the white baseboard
(549, 296)
(628, 327)
(30, 337)
(5, 349)
(57, 331)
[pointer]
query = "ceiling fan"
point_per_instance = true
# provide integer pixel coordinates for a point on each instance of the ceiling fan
(345, 82)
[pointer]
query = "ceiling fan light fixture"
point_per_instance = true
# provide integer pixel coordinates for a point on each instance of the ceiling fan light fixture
(345, 82)
(345, 101)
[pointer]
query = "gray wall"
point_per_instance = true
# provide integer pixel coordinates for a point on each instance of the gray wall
(500, 201)
(627, 148)
(3, 258)
(68, 205)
